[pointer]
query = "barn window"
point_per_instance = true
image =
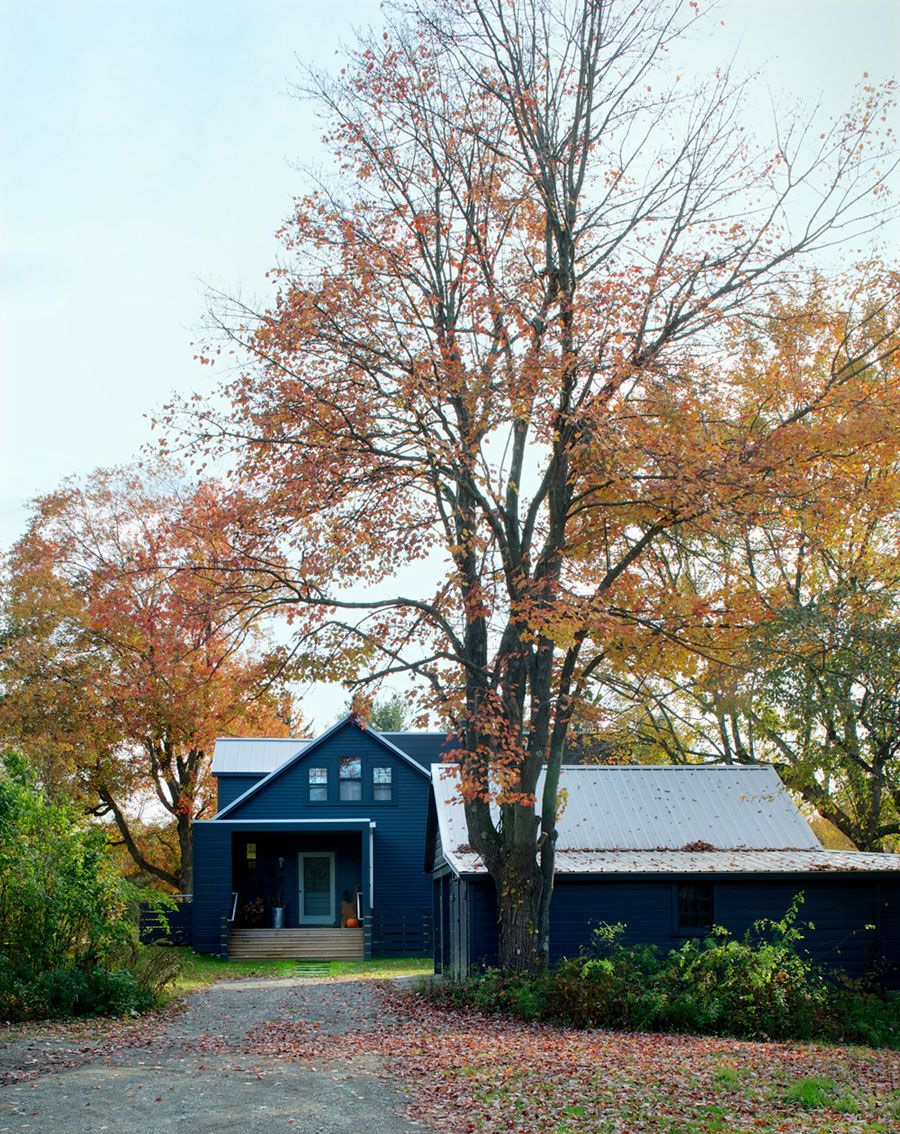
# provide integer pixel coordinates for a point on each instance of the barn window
(694, 907)
(318, 785)
(350, 776)
(251, 856)
(382, 785)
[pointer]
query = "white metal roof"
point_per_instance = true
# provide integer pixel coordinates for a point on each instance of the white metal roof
(254, 755)
(637, 819)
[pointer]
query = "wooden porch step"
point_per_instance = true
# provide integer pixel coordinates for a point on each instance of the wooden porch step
(297, 944)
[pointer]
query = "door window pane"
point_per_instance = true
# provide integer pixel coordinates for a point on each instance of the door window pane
(316, 886)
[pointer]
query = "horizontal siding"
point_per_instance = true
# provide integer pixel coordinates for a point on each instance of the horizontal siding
(423, 747)
(402, 906)
(578, 907)
(286, 794)
(228, 788)
(839, 910)
(212, 885)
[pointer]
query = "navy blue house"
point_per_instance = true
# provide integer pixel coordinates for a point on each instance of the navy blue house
(668, 852)
(312, 834)
(317, 851)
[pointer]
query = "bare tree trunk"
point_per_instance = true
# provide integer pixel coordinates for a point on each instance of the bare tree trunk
(520, 885)
(186, 846)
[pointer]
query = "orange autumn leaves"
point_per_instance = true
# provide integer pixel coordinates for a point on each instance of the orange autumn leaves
(550, 326)
(123, 660)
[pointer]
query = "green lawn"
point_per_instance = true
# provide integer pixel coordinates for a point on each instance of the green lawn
(199, 971)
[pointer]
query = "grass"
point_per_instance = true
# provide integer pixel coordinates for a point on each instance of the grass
(728, 1077)
(812, 1093)
(198, 971)
(817, 1094)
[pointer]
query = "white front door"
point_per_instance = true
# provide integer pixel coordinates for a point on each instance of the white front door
(316, 888)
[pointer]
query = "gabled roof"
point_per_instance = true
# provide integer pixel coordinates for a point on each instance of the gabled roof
(426, 748)
(258, 755)
(307, 750)
(651, 819)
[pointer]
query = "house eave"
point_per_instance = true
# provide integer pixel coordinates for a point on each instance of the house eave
(362, 823)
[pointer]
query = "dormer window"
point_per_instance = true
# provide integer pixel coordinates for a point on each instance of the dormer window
(382, 785)
(318, 785)
(350, 777)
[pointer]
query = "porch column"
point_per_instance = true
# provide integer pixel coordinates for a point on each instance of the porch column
(367, 839)
(459, 929)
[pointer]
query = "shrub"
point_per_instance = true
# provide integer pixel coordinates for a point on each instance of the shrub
(763, 986)
(858, 1016)
(154, 967)
(92, 992)
(67, 936)
(491, 992)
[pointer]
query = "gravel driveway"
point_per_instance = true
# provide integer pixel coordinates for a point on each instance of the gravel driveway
(243, 1055)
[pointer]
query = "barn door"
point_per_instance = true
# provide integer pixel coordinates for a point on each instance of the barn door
(316, 889)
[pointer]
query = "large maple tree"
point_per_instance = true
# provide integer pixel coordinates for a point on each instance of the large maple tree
(793, 632)
(120, 664)
(501, 364)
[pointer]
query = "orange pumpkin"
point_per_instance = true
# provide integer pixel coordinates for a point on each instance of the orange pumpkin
(352, 923)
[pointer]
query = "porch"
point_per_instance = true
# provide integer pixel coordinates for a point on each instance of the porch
(314, 944)
(299, 890)
(287, 875)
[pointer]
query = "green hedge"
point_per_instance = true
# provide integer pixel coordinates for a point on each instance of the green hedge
(761, 987)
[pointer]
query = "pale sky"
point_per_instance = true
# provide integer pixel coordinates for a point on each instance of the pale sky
(146, 150)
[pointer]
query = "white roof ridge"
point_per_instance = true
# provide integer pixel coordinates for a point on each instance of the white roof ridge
(758, 767)
(267, 739)
(412, 731)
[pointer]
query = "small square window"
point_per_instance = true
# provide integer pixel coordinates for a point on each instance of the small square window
(382, 784)
(318, 785)
(694, 907)
(350, 776)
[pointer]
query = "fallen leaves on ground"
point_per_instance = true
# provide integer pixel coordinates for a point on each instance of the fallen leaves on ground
(465, 1073)
(28, 1051)
(476, 1073)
